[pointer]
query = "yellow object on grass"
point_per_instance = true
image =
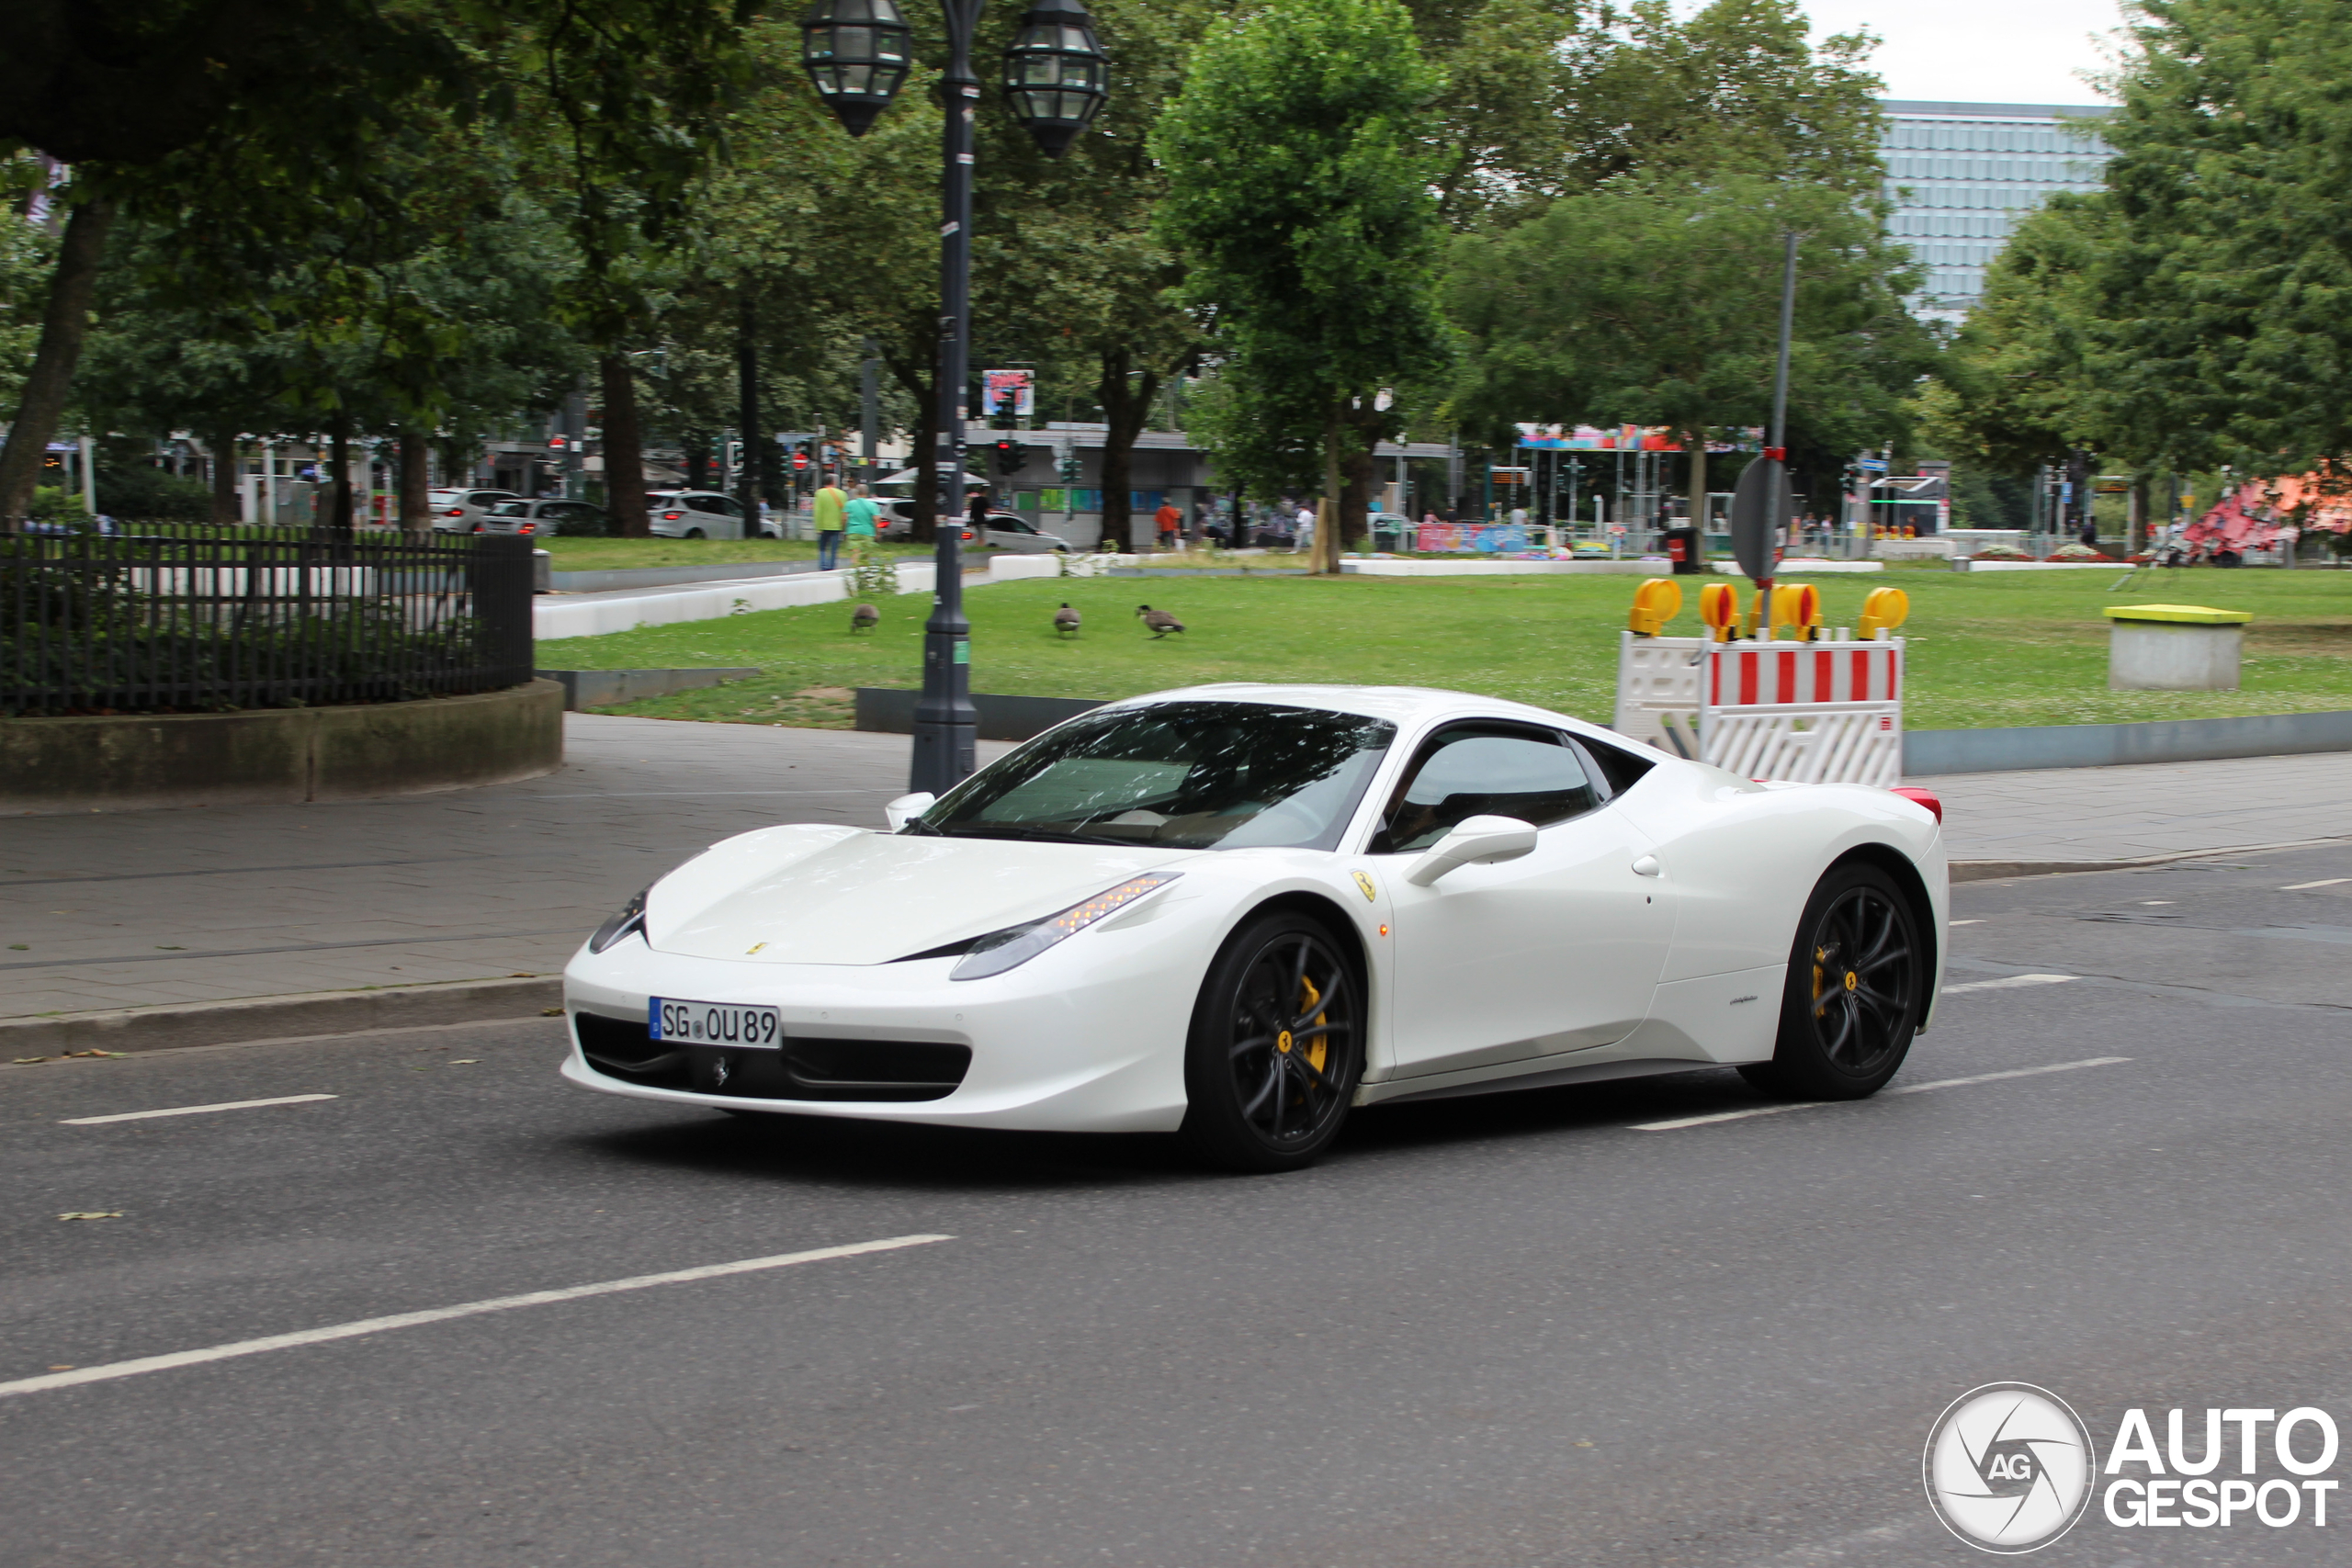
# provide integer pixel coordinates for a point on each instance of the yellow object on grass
(2184, 614)
(1655, 602)
(1719, 607)
(1797, 608)
(1884, 610)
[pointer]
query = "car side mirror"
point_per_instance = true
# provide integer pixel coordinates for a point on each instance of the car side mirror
(906, 808)
(1475, 841)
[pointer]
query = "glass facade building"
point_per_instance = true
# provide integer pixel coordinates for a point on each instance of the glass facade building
(1961, 176)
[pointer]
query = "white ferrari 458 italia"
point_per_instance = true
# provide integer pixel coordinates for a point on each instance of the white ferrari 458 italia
(1236, 911)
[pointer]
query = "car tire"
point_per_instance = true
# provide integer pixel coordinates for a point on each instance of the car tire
(691, 534)
(1852, 1001)
(1258, 1097)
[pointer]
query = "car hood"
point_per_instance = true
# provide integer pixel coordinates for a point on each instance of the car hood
(823, 894)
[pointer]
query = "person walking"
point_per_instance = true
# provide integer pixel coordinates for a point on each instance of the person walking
(830, 508)
(1169, 520)
(860, 516)
(1305, 539)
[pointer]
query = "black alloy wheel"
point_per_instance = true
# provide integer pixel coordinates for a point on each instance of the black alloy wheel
(1852, 1001)
(1276, 1048)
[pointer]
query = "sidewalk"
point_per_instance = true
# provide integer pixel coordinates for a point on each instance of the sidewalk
(288, 919)
(2053, 818)
(168, 909)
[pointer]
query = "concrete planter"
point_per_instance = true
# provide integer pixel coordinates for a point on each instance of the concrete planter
(2174, 648)
(279, 756)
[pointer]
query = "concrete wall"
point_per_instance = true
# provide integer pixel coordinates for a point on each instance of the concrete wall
(277, 756)
(1927, 752)
(890, 710)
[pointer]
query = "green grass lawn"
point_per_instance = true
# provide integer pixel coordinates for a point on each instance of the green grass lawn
(1990, 649)
(619, 555)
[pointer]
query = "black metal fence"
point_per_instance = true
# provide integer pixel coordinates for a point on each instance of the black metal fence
(198, 620)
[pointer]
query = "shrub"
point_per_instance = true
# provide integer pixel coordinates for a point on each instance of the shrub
(151, 495)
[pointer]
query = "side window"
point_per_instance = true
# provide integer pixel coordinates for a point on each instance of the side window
(723, 505)
(1621, 768)
(1484, 771)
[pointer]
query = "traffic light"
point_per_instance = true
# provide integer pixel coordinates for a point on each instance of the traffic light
(1009, 457)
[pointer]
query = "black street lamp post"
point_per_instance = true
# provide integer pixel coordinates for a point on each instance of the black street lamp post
(857, 52)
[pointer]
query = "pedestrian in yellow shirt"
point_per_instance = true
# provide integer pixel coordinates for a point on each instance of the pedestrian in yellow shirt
(831, 510)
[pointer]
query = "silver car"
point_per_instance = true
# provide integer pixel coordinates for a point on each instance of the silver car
(463, 511)
(694, 514)
(542, 518)
(1006, 530)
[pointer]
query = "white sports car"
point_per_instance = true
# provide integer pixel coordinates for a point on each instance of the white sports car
(1235, 912)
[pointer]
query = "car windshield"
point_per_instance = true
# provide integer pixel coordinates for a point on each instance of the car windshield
(1194, 775)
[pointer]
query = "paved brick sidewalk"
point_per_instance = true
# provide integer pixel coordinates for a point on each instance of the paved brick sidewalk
(206, 904)
(2110, 814)
(165, 908)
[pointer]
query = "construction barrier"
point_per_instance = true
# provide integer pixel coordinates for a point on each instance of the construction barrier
(1822, 712)
(1814, 709)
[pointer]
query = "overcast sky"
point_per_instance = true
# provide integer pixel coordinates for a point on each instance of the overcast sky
(2002, 52)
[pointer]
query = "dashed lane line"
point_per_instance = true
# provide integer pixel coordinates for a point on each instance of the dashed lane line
(2008, 983)
(192, 1109)
(1681, 1122)
(113, 1370)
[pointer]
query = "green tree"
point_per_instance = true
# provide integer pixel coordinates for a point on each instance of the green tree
(1661, 306)
(2221, 296)
(1300, 198)
(2028, 377)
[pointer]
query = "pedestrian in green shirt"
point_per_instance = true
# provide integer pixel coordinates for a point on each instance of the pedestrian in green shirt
(829, 508)
(862, 513)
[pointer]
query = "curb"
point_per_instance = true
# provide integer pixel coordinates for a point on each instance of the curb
(1996, 870)
(278, 1018)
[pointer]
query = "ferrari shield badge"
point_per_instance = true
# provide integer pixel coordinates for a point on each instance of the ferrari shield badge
(1365, 883)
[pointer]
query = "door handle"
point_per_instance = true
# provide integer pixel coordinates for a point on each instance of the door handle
(1647, 867)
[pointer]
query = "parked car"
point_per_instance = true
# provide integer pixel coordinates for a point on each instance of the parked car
(543, 518)
(458, 510)
(1006, 530)
(694, 514)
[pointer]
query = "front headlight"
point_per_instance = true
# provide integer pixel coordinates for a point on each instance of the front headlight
(630, 919)
(1016, 946)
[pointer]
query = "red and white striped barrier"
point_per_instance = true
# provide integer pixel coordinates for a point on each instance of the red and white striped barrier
(1822, 712)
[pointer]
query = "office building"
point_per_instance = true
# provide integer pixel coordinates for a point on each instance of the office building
(1962, 175)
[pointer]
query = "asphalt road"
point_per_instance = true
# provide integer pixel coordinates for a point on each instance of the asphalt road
(1512, 1331)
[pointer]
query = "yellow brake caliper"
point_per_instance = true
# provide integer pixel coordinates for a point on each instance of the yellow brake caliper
(1308, 997)
(1818, 954)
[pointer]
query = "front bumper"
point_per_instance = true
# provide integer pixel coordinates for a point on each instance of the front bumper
(1085, 1041)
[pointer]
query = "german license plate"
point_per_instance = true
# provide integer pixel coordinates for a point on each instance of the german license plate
(713, 1024)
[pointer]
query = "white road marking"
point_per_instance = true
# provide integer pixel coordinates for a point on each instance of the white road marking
(192, 1109)
(113, 1370)
(2010, 983)
(2326, 882)
(1681, 1123)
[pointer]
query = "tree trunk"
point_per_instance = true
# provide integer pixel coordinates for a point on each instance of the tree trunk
(1698, 518)
(1125, 409)
(1359, 470)
(65, 322)
(339, 517)
(747, 413)
(922, 389)
(415, 461)
(225, 510)
(624, 456)
(1325, 557)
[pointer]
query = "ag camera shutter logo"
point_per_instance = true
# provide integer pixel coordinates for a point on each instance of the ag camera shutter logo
(2008, 1468)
